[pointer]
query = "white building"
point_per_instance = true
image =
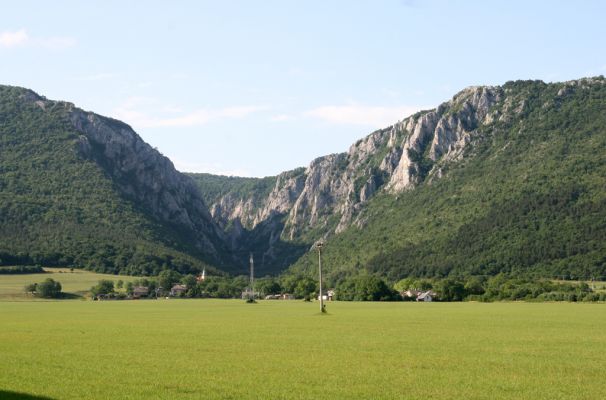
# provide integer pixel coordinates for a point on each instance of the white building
(426, 296)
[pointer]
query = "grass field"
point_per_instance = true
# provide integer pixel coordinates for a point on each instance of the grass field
(207, 349)
(77, 282)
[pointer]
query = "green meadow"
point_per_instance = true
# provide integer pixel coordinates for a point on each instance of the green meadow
(77, 282)
(226, 349)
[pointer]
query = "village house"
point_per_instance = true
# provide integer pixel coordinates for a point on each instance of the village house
(329, 296)
(140, 291)
(283, 296)
(426, 296)
(178, 290)
(410, 294)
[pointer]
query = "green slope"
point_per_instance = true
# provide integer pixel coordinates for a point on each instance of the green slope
(528, 198)
(57, 208)
(272, 255)
(214, 187)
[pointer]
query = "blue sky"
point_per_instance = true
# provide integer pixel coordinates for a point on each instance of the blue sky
(256, 88)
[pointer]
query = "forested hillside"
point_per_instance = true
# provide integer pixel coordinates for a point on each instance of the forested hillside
(67, 198)
(527, 198)
(498, 179)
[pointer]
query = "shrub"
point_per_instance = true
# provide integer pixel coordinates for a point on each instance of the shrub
(49, 289)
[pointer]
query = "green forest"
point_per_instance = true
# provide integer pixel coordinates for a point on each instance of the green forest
(528, 199)
(60, 209)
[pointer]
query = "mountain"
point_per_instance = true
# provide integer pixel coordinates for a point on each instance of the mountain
(507, 178)
(80, 189)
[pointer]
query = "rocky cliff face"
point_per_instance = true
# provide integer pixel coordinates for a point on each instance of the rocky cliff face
(277, 218)
(326, 198)
(143, 175)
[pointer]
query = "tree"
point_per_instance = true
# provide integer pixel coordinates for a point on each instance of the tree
(130, 287)
(31, 288)
(168, 278)
(372, 288)
(346, 290)
(451, 290)
(474, 286)
(423, 284)
(366, 288)
(103, 287)
(305, 287)
(49, 289)
(120, 284)
(189, 280)
(267, 286)
(404, 284)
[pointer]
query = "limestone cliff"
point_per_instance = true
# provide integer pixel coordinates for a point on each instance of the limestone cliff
(143, 175)
(326, 197)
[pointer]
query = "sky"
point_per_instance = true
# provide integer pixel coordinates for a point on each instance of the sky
(254, 88)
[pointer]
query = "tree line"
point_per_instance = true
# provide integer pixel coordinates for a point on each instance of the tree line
(362, 287)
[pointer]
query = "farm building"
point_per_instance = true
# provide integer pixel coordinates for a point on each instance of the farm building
(284, 296)
(410, 294)
(140, 291)
(426, 296)
(178, 290)
(329, 296)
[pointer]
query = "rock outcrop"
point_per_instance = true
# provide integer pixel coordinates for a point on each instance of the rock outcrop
(146, 176)
(142, 174)
(391, 160)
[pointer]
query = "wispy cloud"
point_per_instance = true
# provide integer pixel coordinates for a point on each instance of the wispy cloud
(13, 39)
(280, 118)
(144, 112)
(20, 38)
(355, 114)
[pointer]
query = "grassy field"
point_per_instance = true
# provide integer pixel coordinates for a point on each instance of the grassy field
(77, 282)
(226, 349)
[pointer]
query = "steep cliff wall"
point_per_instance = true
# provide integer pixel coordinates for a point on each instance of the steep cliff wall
(327, 196)
(138, 182)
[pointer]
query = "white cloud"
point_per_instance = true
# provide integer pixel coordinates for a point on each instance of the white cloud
(143, 112)
(354, 114)
(20, 38)
(13, 39)
(280, 118)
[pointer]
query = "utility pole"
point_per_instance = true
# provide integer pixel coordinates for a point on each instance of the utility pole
(319, 246)
(252, 276)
